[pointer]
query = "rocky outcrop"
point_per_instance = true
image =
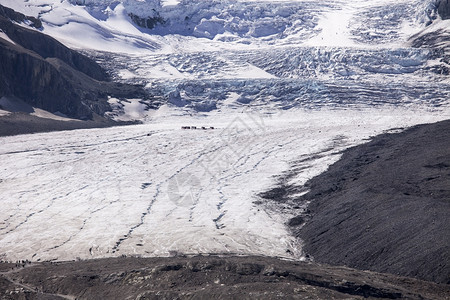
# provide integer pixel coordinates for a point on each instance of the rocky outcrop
(18, 17)
(27, 76)
(436, 39)
(444, 9)
(149, 22)
(46, 74)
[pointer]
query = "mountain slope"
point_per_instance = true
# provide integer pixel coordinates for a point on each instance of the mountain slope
(384, 206)
(196, 56)
(46, 74)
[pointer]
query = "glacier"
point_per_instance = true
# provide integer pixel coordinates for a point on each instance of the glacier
(279, 81)
(158, 190)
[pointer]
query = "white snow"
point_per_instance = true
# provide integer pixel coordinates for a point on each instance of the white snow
(29, 7)
(126, 74)
(4, 112)
(170, 2)
(335, 30)
(127, 109)
(196, 25)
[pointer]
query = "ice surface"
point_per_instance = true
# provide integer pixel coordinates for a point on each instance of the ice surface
(156, 189)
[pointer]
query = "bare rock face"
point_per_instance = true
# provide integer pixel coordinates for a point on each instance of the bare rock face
(27, 76)
(149, 22)
(46, 74)
(444, 9)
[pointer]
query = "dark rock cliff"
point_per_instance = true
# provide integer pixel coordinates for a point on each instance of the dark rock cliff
(25, 75)
(444, 9)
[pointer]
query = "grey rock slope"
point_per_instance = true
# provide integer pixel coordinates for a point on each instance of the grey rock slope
(46, 74)
(444, 9)
(385, 206)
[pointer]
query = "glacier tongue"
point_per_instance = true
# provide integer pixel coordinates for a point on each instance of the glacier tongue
(158, 190)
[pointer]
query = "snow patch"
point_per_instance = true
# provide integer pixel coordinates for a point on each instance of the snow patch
(335, 30)
(126, 74)
(6, 37)
(4, 113)
(16, 105)
(127, 109)
(54, 116)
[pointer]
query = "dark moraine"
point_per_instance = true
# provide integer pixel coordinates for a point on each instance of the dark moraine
(205, 277)
(385, 206)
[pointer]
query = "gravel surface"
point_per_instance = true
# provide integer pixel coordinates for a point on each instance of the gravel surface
(205, 277)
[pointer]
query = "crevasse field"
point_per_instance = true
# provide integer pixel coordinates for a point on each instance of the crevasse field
(283, 83)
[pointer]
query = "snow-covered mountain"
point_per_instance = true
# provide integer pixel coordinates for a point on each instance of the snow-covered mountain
(197, 54)
(277, 54)
(280, 81)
